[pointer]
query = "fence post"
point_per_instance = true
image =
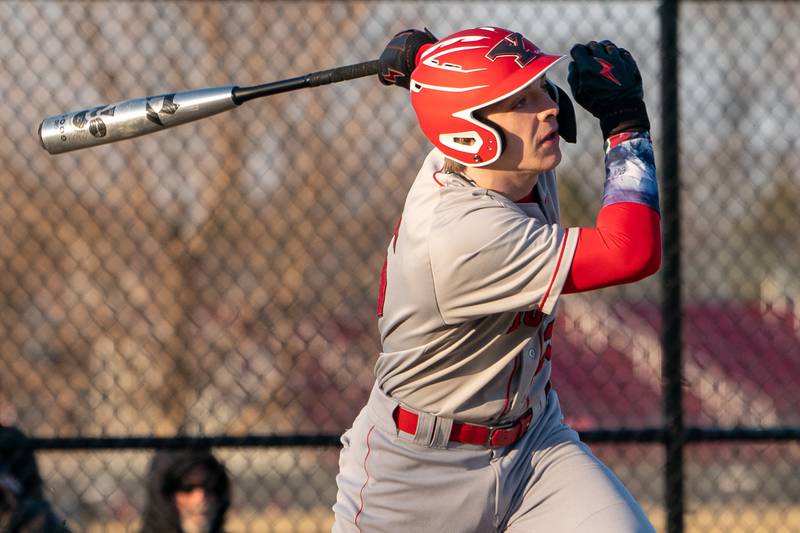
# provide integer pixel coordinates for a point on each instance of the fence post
(670, 271)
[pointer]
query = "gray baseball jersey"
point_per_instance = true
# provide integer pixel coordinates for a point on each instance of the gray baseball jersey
(468, 297)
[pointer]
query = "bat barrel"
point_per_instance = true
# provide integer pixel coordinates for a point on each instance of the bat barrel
(131, 118)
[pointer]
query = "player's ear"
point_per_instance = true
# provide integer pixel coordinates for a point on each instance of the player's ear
(567, 124)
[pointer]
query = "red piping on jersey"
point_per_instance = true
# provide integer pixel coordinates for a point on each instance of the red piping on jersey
(395, 233)
(364, 486)
(439, 183)
(382, 289)
(555, 272)
(508, 386)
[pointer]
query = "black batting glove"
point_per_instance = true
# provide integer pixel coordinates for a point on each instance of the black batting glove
(398, 59)
(606, 81)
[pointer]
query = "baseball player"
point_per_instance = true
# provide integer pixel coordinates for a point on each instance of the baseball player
(463, 431)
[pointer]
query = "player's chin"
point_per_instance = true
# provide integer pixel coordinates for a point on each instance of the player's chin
(551, 157)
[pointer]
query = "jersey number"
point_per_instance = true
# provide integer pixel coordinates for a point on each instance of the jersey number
(530, 318)
(533, 319)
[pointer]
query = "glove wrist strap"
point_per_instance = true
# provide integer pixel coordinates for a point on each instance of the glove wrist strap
(631, 116)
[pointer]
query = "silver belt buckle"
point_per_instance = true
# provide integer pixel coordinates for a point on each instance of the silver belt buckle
(494, 429)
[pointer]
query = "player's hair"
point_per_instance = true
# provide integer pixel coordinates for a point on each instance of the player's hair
(452, 166)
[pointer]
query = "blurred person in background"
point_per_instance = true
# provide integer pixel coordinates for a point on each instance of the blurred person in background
(187, 492)
(23, 508)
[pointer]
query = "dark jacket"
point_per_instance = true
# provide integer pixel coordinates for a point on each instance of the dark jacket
(166, 470)
(23, 508)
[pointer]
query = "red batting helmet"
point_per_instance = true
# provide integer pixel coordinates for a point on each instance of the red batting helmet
(464, 72)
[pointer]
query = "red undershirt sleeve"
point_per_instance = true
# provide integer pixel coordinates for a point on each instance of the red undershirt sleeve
(624, 246)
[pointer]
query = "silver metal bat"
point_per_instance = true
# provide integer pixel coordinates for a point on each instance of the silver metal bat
(132, 118)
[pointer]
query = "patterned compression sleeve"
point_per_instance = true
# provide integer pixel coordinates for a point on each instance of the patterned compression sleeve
(630, 170)
(625, 245)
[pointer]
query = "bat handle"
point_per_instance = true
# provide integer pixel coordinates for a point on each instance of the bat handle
(323, 77)
(347, 72)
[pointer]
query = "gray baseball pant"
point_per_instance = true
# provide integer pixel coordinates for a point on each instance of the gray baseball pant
(548, 481)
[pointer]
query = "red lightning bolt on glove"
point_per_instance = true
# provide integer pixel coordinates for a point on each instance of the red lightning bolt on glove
(606, 70)
(391, 75)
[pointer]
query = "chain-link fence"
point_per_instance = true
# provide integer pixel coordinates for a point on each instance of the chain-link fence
(219, 279)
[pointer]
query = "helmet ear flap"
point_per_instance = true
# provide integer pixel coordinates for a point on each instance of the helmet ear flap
(475, 142)
(567, 124)
(501, 139)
